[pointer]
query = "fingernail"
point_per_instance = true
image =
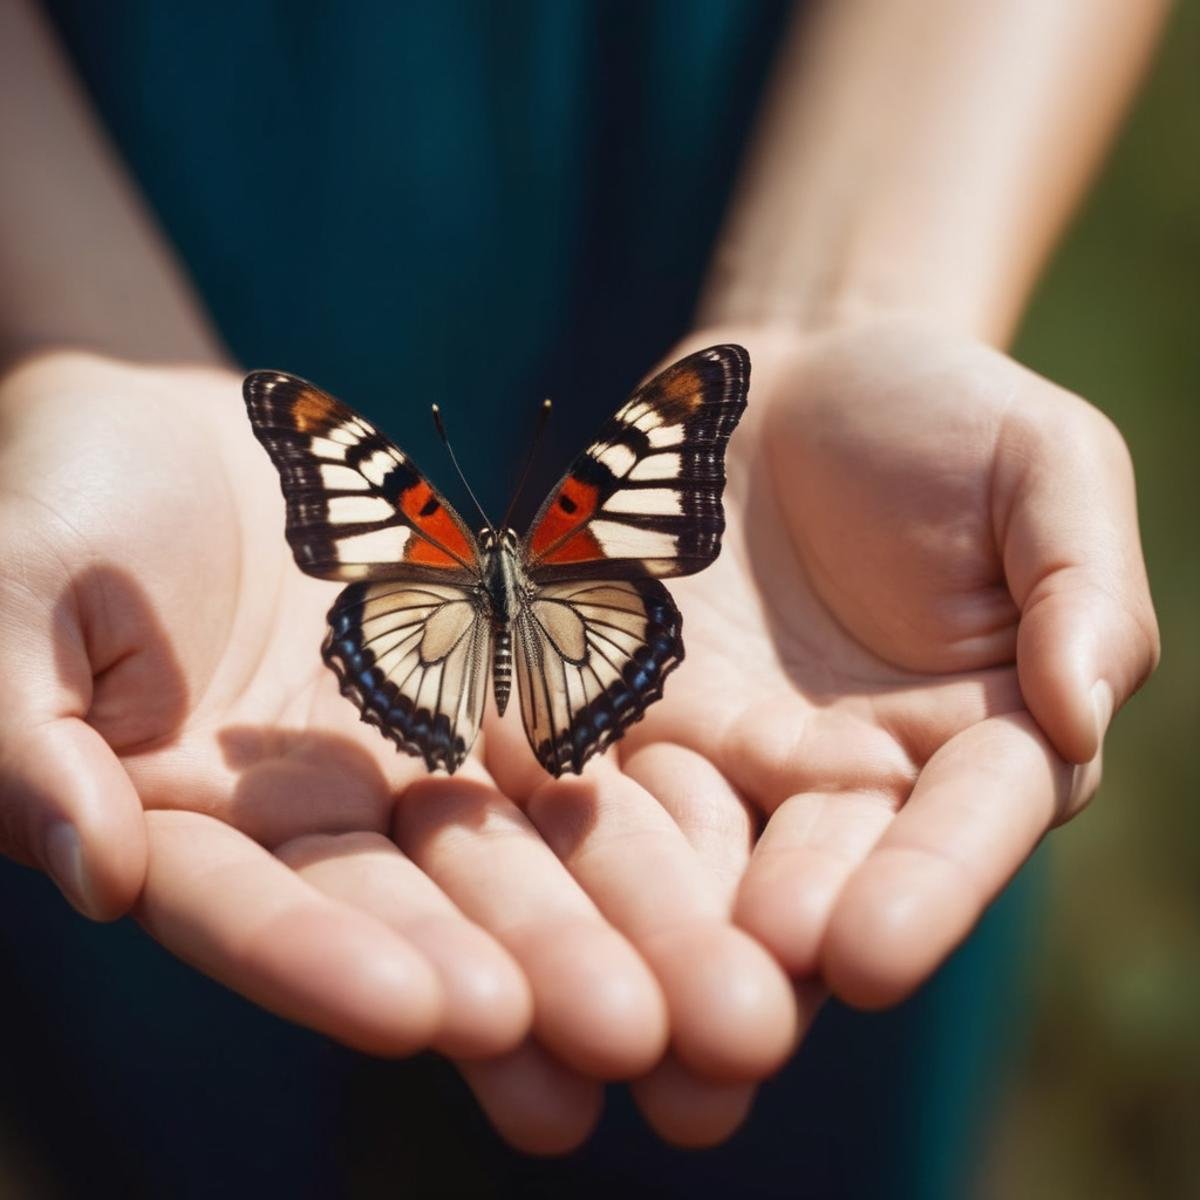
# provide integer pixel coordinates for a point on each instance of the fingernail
(64, 862)
(1102, 706)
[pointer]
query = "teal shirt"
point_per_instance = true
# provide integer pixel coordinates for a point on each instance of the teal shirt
(463, 201)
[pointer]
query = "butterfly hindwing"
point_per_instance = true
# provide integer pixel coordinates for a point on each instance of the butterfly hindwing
(645, 497)
(414, 659)
(357, 506)
(591, 656)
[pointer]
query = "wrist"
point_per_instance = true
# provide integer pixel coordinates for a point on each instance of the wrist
(920, 159)
(864, 284)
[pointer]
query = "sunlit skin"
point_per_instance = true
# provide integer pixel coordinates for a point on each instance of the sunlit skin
(931, 557)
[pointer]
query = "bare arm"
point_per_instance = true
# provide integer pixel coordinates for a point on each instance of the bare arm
(82, 263)
(897, 482)
(922, 156)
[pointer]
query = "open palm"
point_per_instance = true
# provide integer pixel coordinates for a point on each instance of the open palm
(929, 599)
(172, 741)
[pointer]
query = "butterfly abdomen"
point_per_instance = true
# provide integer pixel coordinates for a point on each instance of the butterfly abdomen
(501, 665)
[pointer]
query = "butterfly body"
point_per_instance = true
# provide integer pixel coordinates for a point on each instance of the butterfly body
(575, 607)
(506, 589)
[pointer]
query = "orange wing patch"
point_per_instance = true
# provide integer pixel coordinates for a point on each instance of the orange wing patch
(674, 394)
(684, 387)
(312, 410)
(572, 508)
(580, 547)
(429, 517)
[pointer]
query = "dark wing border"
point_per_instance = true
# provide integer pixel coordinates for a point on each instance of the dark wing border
(702, 396)
(417, 730)
(575, 734)
(286, 414)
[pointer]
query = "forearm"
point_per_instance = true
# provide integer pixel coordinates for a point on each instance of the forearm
(81, 261)
(922, 156)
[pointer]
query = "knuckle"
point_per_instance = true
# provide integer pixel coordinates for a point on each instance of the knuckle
(1074, 421)
(1096, 429)
(1111, 440)
(1147, 623)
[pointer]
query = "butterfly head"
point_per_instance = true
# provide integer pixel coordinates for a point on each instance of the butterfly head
(492, 539)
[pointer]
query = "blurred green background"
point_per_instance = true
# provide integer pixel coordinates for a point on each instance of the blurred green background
(1107, 1099)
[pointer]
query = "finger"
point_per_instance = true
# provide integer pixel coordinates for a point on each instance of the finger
(536, 1104)
(694, 1111)
(815, 840)
(809, 849)
(923, 716)
(732, 1014)
(595, 1003)
(69, 807)
(66, 803)
(689, 1110)
(1067, 514)
(716, 822)
(487, 1007)
(976, 813)
(779, 747)
(224, 904)
(506, 753)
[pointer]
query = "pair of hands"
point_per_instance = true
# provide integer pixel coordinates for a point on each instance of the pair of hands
(899, 672)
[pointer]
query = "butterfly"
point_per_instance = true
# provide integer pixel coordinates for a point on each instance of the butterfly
(577, 603)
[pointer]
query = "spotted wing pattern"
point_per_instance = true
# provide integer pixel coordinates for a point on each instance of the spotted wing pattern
(414, 659)
(645, 497)
(357, 506)
(592, 655)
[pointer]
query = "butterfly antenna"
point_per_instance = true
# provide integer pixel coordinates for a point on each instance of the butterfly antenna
(441, 429)
(542, 418)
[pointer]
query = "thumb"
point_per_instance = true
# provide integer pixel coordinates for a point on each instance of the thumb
(66, 803)
(67, 806)
(1087, 638)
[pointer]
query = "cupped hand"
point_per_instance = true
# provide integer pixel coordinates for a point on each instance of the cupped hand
(930, 589)
(171, 744)
(964, 607)
(930, 601)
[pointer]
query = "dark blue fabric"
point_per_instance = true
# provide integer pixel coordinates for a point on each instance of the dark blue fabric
(480, 204)
(126, 1074)
(473, 203)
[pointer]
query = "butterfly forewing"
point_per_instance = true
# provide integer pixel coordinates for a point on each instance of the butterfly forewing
(357, 506)
(645, 497)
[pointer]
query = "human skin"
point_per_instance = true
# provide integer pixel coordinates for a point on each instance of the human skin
(898, 652)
